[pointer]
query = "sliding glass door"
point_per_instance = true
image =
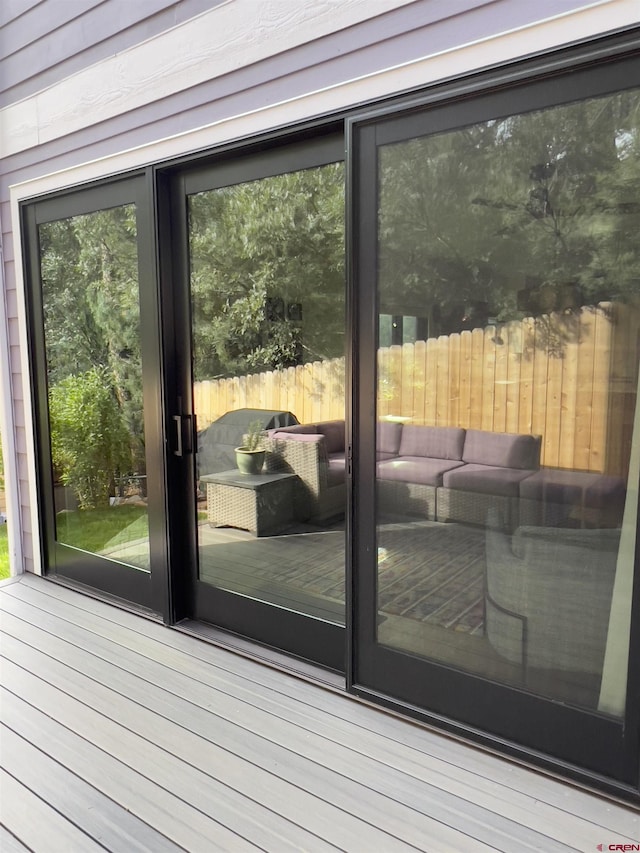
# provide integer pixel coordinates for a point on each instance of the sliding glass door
(264, 332)
(499, 277)
(92, 291)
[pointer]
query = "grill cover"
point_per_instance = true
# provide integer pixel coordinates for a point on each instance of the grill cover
(217, 443)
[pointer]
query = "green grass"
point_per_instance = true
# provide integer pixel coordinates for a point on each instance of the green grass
(92, 530)
(4, 553)
(96, 529)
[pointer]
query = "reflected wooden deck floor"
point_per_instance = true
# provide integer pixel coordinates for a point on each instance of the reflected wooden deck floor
(121, 734)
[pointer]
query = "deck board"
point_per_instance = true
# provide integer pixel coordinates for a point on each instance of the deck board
(162, 809)
(91, 811)
(205, 749)
(377, 768)
(37, 823)
(10, 844)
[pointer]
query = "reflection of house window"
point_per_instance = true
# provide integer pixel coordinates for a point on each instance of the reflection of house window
(294, 312)
(384, 330)
(398, 329)
(274, 308)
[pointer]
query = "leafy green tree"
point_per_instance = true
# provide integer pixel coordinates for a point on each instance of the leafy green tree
(256, 249)
(89, 268)
(522, 214)
(89, 436)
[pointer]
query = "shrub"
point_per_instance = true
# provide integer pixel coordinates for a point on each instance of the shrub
(89, 439)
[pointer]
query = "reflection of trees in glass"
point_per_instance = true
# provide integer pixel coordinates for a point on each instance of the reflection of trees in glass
(267, 272)
(522, 215)
(89, 439)
(89, 269)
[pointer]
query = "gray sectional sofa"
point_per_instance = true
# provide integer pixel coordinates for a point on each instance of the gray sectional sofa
(447, 474)
(462, 473)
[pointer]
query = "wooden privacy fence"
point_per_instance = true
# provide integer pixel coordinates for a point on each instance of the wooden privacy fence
(313, 392)
(569, 377)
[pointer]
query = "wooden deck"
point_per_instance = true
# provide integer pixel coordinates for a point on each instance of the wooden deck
(121, 734)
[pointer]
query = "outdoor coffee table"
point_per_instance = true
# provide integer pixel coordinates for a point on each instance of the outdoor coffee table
(260, 503)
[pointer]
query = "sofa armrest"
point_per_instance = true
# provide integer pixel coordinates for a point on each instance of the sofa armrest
(302, 454)
(552, 588)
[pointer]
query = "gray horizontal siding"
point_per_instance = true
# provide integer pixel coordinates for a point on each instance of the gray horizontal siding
(405, 34)
(32, 21)
(56, 39)
(12, 9)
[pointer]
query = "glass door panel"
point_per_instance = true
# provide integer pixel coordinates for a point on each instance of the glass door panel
(95, 345)
(266, 260)
(91, 308)
(508, 437)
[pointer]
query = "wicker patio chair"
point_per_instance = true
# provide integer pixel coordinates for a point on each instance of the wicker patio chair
(318, 494)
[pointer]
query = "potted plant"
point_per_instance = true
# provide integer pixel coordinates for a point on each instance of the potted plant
(250, 455)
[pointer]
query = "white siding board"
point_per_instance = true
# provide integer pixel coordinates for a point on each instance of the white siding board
(23, 130)
(7, 249)
(26, 520)
(101, 30)
(18, 413)
(21, 441)
(14, 338)
(12, 302)
(15, 359)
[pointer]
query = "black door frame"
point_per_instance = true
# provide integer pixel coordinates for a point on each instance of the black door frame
(62, 562)
(303, 636)
(589, 747)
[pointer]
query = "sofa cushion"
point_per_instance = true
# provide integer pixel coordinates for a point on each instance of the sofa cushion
(487, 479)
(435, 442)
(388, 436)
(557, 486)
(502, 449)
(416, 469)
(334, 433)
(579, 496)
(298, 429)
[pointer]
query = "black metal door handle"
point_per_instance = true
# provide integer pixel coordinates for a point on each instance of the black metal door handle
(177, 419)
